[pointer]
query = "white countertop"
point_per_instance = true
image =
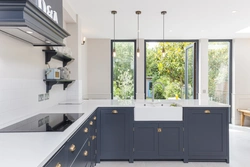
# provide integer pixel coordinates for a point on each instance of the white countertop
(34, 149)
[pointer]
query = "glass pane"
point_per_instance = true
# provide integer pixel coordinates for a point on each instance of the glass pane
(218, 67)
(189, 82)
(169, 70)
(123, 70)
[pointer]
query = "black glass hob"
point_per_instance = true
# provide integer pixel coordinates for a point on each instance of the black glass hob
(50, 122)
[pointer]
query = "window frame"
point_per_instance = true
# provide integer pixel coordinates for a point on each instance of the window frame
(196, 63)
(135, 67)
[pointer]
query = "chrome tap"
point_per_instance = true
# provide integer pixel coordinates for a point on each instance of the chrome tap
(153, 95)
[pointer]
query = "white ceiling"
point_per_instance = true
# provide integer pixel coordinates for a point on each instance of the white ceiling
(188, 19)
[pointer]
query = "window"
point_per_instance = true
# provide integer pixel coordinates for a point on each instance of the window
(123, 70)
(176, 70)
(219, 78)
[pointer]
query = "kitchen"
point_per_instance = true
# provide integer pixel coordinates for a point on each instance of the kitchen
(22, 80)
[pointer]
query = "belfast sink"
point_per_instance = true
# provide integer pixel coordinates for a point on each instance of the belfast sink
(157, 112)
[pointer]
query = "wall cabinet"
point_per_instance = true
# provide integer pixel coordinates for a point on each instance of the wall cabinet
(206, 134)
(115, 131)
(158, 140)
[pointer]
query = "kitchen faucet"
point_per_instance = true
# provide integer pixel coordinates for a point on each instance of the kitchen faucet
(153, 95)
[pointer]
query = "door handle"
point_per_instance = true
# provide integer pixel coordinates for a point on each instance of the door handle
(159, 130)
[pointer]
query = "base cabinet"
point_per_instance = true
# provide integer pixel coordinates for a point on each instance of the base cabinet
(158, 140)
(206, 134)
(115, 131)
(80, 149)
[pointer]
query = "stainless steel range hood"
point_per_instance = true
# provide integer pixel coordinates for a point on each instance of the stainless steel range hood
(21, 19)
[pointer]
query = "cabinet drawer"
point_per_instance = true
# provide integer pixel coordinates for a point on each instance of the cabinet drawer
(58, 160)
(83, 158)
(75, 143)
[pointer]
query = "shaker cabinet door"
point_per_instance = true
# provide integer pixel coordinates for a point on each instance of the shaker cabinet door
(207, 132)
(115, 133)
(145, 140)
(171, 140)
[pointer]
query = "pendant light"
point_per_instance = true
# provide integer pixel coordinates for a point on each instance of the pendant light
(163, 29)
(138, 31)
(114, 51)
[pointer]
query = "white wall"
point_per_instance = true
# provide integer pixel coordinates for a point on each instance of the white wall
(85, 70)
(99, 69)
(140, 72)
(21, 80)
(241, 78)
(203, 69)
(74, 42)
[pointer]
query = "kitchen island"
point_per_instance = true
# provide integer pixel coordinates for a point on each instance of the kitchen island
(32, 149)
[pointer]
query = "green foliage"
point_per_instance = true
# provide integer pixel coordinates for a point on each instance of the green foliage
(168, 69)
(123, 71)
(218, 71)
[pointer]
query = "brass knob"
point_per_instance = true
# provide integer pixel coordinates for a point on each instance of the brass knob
(207, 112)
(94, 118)
(159, 130)
(114, 111)
(58, 165)
(91, 123)
(93, 137)
(72, 148)
(86, 130)
(85, 153)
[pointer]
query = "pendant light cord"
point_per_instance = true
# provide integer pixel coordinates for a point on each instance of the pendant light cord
(163, 27)
(138, 25)
(114, 30)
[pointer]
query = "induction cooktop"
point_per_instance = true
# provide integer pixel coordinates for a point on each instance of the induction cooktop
(47, 122)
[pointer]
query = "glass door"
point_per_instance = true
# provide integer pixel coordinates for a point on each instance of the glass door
(189, 86)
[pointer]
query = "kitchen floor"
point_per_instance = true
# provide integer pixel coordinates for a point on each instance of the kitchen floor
(239, 154)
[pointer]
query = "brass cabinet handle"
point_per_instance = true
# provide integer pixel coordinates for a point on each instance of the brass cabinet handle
(207, 112)
(93, 137)
(94, 118)
(114, 111)
(86, 130)
(58, 165)
(85, 153)
(159, 130)
(72, 148)
(91, 123)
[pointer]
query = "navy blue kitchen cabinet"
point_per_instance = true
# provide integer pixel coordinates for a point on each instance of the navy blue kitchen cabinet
(115, 133)
(171, 140)
(158, 140)
(206, 134)
(83, 157)
(80, 149)
(59, 159)
(145, 140)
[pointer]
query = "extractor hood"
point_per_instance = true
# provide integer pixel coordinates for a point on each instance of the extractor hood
(25, 21)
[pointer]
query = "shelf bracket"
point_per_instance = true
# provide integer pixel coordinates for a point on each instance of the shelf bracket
(65, 85)
(49, 85)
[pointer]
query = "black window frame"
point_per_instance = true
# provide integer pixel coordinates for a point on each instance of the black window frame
(135, 61)
(196, 63)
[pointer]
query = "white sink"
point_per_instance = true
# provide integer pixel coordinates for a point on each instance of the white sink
(157, 112)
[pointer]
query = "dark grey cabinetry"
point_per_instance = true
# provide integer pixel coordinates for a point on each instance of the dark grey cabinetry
(171, 140)
(145, 140)
(59, 159)
(80, 149)
(83, 157)
(158, 140)
(206, 134)
(115, 131)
